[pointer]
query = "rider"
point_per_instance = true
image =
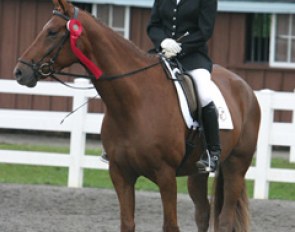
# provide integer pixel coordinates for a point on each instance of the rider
(180, 29)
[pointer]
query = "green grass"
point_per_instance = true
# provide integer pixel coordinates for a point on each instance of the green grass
(27, 147)
(43, 148)
(26, 174)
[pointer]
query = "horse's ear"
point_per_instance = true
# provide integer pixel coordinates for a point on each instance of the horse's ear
(62, 6)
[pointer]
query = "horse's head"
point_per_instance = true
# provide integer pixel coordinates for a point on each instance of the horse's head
(51, 49)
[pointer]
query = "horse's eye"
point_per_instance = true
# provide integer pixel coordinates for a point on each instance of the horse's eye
(52, 33)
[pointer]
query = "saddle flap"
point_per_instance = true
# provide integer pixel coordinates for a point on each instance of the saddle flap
(175, 72)
(190, 93)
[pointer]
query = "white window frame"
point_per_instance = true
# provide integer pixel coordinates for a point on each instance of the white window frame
(272, 61)
(126, 28)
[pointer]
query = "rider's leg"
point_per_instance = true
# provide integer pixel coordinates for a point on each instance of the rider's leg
(204, 85)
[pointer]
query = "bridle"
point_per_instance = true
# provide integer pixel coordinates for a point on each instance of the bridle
(46, 69)
(43, 70)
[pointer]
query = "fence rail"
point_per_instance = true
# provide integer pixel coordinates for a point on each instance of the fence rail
(82, 123)
(78, 125)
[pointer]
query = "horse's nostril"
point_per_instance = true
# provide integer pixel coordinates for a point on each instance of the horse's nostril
(17, 73)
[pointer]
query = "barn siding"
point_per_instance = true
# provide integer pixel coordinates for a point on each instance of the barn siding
(139, 20)
(227, 48)
(20, 28)
(8, 48)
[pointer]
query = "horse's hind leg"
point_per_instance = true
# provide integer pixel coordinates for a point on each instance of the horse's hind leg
(124, 186)
(197, 188)
(231, 202)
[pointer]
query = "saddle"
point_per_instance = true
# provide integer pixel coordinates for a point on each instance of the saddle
(175, 72)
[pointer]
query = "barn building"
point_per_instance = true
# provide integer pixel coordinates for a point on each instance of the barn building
(254, 38)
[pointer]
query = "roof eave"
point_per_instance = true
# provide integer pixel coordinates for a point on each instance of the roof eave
(223, 6)
(255, 7)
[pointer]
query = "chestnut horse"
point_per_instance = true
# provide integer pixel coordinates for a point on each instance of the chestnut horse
(143, 131)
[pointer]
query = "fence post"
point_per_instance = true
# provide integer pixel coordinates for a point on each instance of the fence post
(292, 147)
(263, 152)
(78, 136)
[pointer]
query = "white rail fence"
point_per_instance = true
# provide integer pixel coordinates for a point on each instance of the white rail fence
(82, 123)
(78, 125)
(273, 133)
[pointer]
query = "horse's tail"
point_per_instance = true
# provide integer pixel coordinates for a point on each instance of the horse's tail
(242, 216)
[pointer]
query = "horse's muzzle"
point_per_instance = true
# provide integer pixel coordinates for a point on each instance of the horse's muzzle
(25, 75)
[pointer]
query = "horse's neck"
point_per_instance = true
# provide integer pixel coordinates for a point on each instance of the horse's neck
(112, 53)
(115, 55)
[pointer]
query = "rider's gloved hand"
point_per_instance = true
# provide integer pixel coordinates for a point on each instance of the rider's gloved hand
(170, 47)
(167, 54)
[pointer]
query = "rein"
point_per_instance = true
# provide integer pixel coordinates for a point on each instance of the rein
(73, 32)
(110, 78)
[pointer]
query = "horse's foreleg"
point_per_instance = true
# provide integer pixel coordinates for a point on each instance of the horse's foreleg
(124, 186)
(166, 181)
(197, 188)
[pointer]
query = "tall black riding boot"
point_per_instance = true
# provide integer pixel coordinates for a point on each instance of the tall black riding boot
(210, 159)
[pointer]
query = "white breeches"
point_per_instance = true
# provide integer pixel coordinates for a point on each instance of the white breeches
(203, 83)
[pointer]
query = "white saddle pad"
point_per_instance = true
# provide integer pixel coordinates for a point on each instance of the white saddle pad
(225, 120)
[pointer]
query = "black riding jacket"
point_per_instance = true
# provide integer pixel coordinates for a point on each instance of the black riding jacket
(169, 20)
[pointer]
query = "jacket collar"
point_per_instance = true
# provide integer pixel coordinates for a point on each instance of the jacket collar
(174, 2)
(180, 2)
